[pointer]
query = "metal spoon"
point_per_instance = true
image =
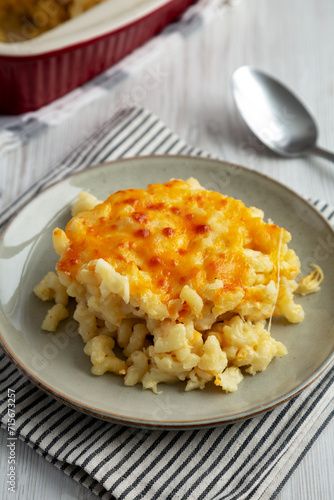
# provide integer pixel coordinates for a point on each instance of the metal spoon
(274, 114)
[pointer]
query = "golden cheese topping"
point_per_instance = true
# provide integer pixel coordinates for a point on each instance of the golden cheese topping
(25, 19)
(171, 235)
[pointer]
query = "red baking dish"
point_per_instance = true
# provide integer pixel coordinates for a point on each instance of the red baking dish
(36, 72)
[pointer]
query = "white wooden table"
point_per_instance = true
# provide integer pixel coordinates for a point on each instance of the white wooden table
(293, 41)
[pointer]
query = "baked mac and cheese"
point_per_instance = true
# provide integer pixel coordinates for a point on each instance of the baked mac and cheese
(174, 282)
(25, 19)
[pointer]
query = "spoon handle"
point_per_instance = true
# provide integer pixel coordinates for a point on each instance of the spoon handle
(322, 152)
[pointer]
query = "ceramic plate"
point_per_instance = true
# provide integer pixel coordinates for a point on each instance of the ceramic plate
(56, 362)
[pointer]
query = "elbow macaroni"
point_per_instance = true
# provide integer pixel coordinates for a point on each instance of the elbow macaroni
(25, 19)
(175, 283)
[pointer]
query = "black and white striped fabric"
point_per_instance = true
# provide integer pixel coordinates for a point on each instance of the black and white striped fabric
(246, 460)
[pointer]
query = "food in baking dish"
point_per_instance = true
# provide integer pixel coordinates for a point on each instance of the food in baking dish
(25, 19)
(175, 282)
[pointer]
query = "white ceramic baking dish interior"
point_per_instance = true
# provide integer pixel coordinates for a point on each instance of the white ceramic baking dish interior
(100, 20)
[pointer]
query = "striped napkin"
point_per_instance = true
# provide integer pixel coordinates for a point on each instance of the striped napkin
(252, 459)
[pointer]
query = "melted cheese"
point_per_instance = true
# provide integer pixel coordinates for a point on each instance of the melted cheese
(171, 235)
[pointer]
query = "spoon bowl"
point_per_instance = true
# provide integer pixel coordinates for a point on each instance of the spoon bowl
(275, 114)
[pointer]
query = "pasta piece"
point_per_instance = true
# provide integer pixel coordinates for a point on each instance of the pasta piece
(57, 313)
(311, 283)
